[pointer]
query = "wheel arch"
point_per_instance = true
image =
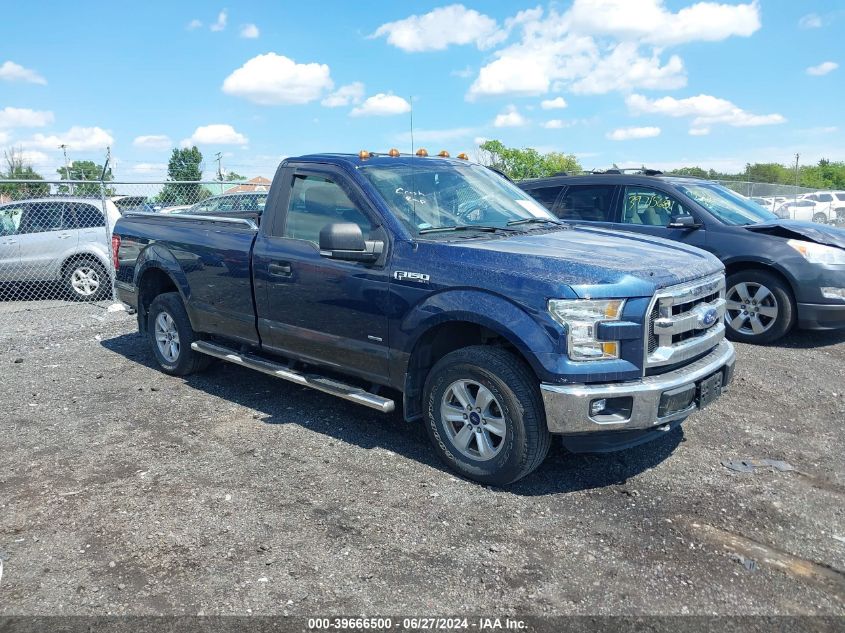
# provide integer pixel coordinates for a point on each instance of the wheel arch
(152, 282)
(737, 266)
(447, 334)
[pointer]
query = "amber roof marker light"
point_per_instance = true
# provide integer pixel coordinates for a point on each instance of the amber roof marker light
(393, 153)
(363, 154)
(422, 152)
(463, 156)
(443, 154)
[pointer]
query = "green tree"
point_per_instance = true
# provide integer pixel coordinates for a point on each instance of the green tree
(527, 162)
(18, 168)
(85, 170)
(185, 167)
(232, 176)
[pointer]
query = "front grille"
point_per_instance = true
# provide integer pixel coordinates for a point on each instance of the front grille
(685, 321)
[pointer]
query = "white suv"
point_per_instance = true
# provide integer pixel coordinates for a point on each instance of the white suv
(58, 239)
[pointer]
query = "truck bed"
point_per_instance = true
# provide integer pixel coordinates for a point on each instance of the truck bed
(208, 257)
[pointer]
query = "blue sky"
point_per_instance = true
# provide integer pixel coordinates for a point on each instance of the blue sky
(664, 83)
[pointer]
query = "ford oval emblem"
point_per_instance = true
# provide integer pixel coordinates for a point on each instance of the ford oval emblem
(708, 318)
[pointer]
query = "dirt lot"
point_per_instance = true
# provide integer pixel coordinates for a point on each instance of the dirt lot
(123, 490)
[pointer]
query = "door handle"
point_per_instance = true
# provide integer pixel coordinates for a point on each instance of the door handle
(64, 236)
(280, 269)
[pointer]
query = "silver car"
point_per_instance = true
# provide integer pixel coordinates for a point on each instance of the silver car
(60, 239)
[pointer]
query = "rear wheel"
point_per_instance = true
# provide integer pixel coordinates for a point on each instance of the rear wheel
(87, 280)
(820, 218)
(170, 335)
(485, 415)
(759, 307)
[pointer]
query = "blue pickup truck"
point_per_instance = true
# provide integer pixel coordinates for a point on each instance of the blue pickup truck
(436, 281)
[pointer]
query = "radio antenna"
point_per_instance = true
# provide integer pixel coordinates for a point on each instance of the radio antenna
(413, 167)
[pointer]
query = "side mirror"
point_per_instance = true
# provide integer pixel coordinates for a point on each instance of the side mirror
(344, 240)
(683, 222)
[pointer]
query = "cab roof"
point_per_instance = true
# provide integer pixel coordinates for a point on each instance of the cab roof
(375, 158)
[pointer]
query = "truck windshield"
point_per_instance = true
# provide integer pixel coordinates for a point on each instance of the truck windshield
(434, 195)
(728, 206)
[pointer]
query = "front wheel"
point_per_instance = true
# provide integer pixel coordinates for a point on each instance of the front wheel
(170, 335)
(485, 415)
(759, 307)
(820, 218)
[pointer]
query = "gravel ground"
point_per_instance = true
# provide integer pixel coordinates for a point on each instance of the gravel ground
(126, 491)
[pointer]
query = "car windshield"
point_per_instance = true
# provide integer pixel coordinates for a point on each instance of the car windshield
(728, 206)
(430, 195)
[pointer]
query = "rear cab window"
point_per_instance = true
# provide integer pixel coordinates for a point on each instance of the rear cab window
(546, 195)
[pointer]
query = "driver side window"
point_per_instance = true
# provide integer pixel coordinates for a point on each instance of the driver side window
(316, 202)
(649, 207)
(10, 220)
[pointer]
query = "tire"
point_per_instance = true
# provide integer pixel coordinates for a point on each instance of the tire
(167, 318)
(770, 304)
(86, 279)
(820, 218)
(521, 439)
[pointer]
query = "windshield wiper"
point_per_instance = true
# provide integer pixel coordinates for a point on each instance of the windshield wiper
(466, 227)
(533, 220)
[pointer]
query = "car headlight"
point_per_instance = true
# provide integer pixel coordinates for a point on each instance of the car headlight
(818, 253)
(581, 317)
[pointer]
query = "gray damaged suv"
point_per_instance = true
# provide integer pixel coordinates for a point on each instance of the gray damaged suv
(780, 273)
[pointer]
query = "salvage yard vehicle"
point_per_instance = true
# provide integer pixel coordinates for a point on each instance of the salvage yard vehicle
(58, 239)
(437, 278)
(780, 274)
(235, 205)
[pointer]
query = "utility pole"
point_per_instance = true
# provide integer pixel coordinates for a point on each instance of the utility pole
(219, 157)
(63, 147)
(797, 156)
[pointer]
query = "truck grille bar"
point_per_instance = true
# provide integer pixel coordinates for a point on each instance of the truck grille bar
(685, 321)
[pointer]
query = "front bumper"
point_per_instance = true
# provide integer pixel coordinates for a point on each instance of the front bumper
(568, 406)
(821, 316)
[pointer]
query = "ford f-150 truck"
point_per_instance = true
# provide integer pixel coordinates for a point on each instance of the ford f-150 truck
(374, 277)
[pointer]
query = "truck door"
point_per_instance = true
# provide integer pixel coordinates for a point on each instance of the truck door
(330, 312)
(648, 210)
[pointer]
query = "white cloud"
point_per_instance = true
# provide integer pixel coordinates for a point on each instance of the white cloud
(250, 31)
(463, 73)
(554, 124)
(77, 138)
(272, 79)
(649, 21)
(149, 168)
(822, 69)
(4, 137)
(553, 104)
(811, 21)
(345, 95)
(438, 29)
(509, 118)
(382, 105)
(597, 46)
(24, 117)
(699, 131)
(222, 20)
(631, 133)
(153, 141)
(706, 109)
(215, 134)
(10, 71)
(193, 25)
(37, 159)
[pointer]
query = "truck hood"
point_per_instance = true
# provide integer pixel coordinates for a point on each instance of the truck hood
(596, 263)
(809, 231)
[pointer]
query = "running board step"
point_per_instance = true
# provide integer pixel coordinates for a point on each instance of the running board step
(320, 383)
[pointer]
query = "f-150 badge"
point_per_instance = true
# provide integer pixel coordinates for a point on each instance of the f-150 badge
(403, 275)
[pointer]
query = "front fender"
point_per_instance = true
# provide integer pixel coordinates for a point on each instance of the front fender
(498, 314)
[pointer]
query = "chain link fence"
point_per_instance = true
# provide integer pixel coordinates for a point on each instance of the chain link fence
(55, 236)
(791, 202)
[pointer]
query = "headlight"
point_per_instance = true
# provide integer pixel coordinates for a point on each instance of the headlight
(581, 317)
(818, 253)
